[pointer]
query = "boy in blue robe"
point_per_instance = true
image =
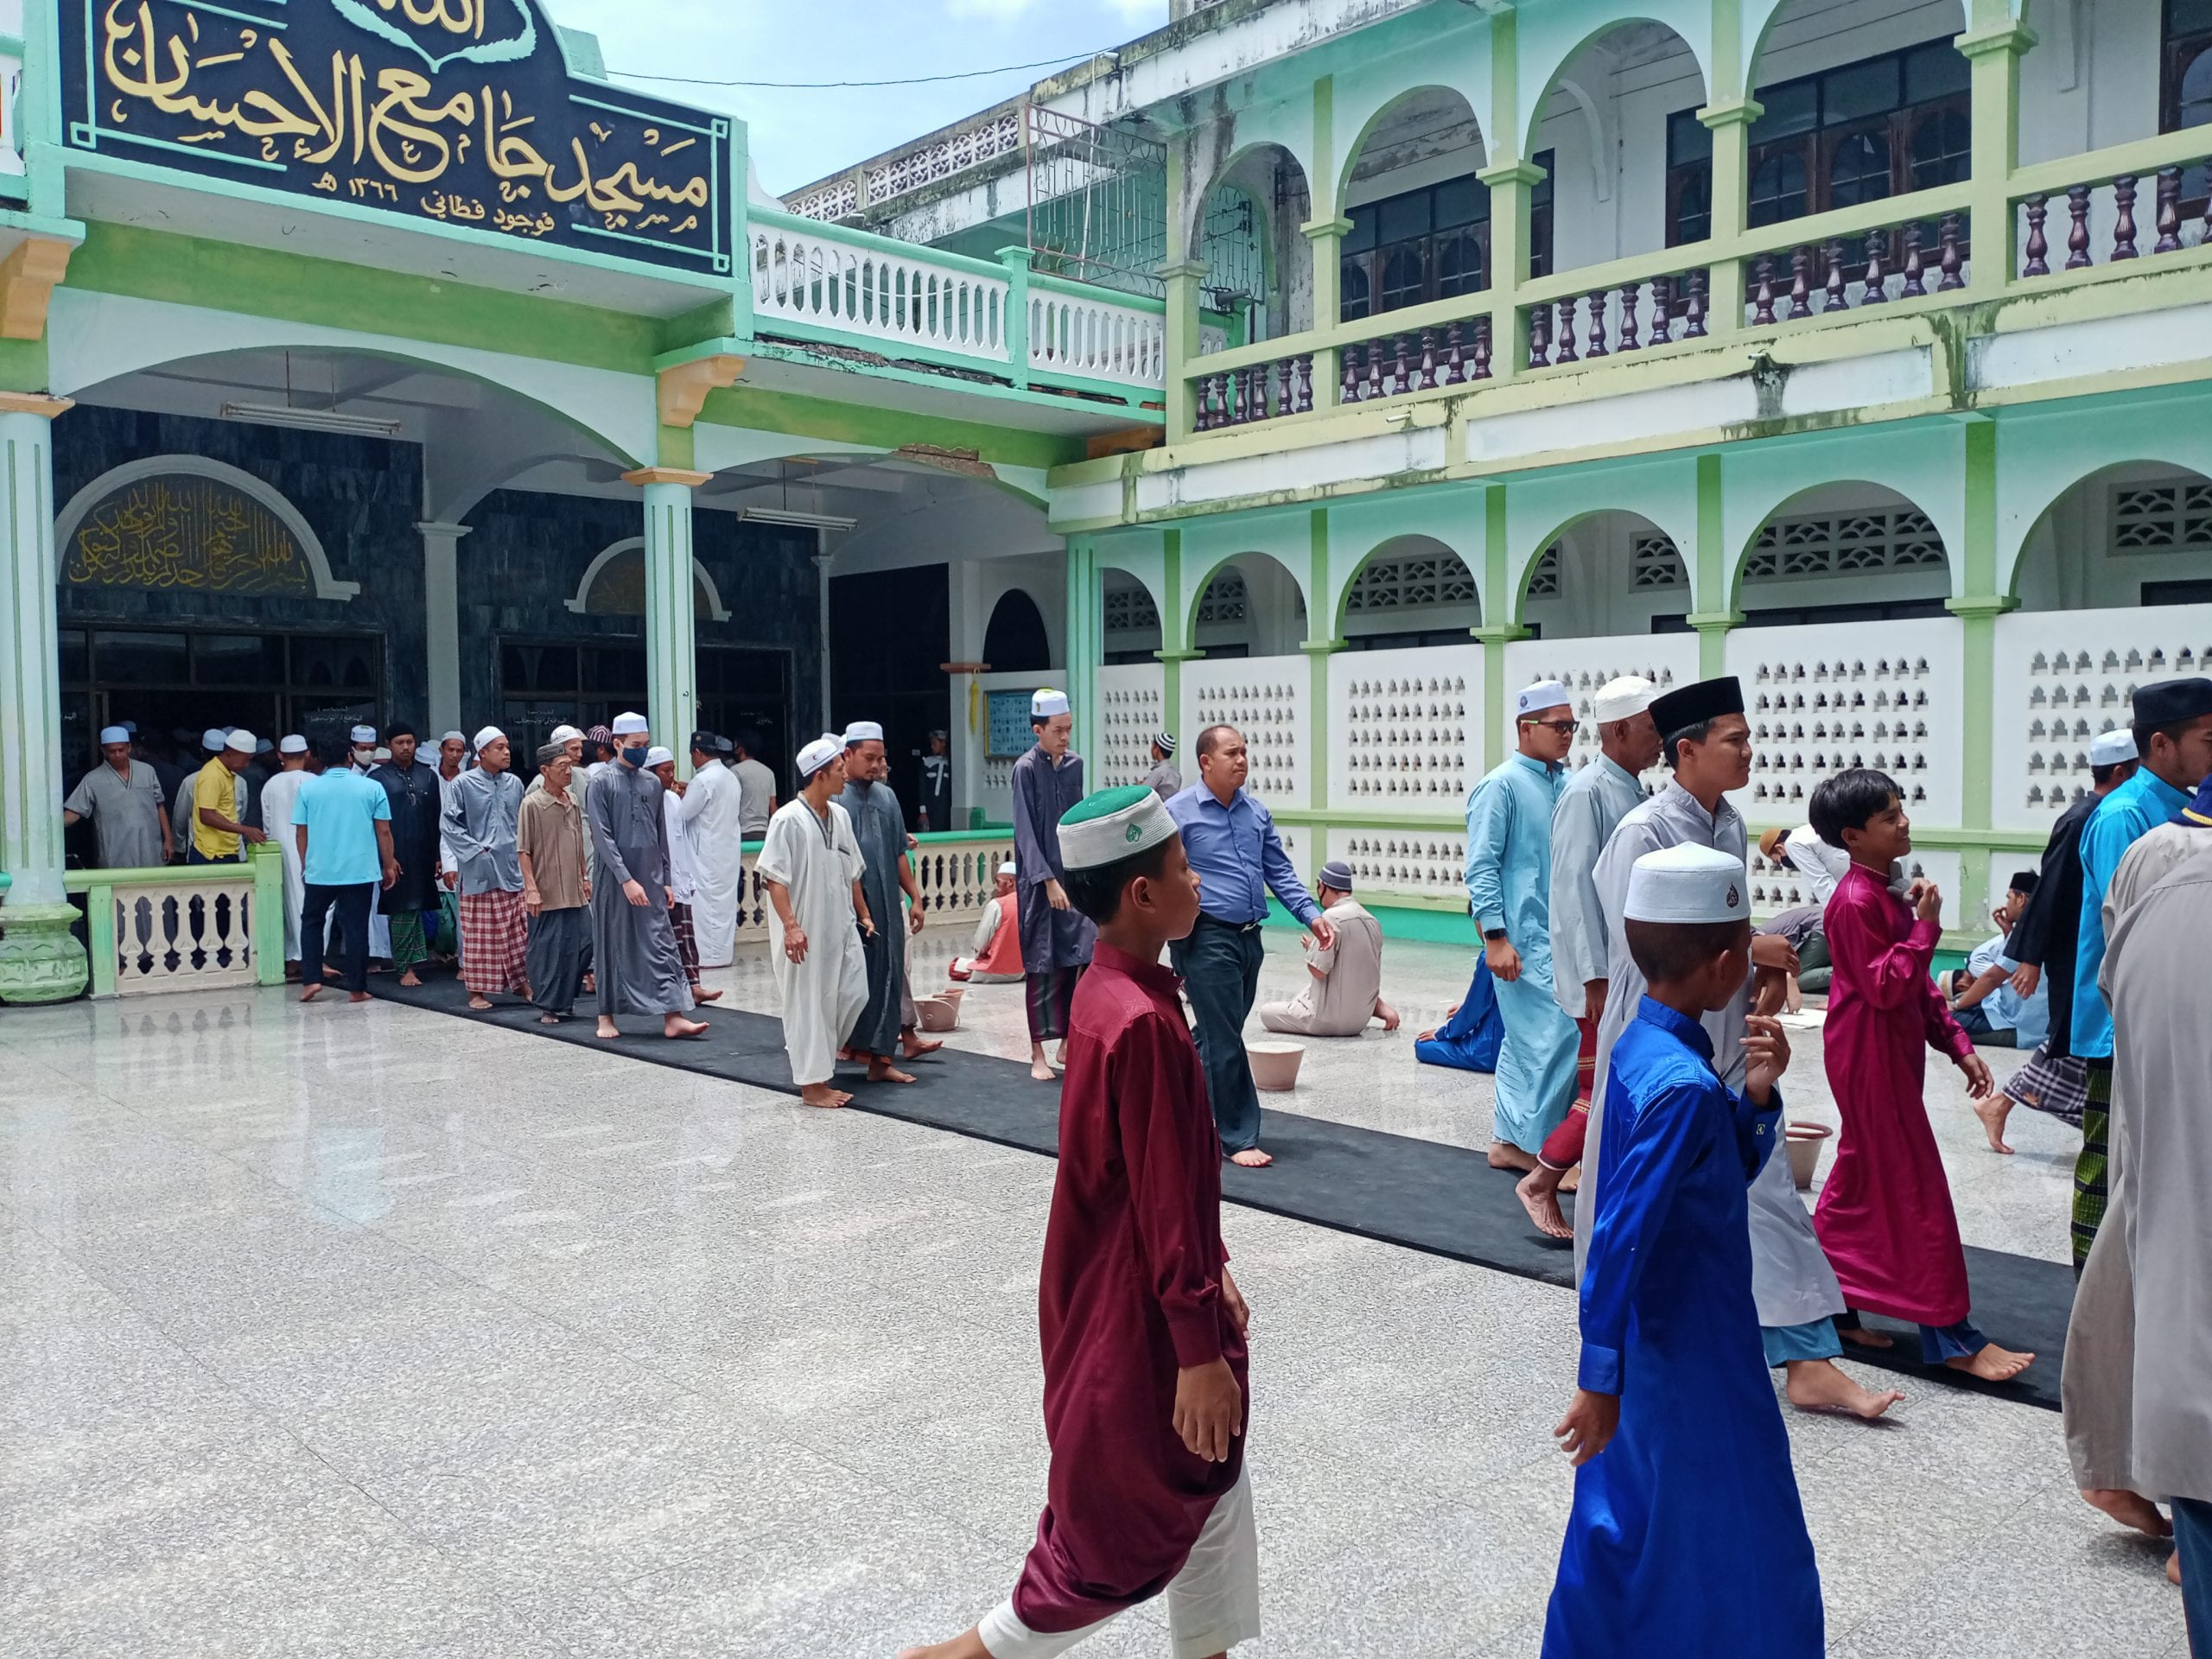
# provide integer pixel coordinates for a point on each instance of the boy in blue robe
(1687, 1537)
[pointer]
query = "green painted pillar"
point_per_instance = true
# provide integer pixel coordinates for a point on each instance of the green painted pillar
(1712, 595)
(1992, 45)
(1512, 189)
(1978, 608)
(1327, 237)
(1321, 624)
(671, 622)
(1016, 261)
(1731, 125)
(1086, 645)
(1499, 600)
(40, 960)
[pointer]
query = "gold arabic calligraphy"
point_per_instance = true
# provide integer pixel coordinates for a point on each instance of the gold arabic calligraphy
(402, 126)
(185, 532)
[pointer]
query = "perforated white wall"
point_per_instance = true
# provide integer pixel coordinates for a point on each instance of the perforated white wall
(2063, 677)
(1265, 699)
(1405, 728)
(1403, 861)
(1776, 888)
(1129, 713)
(1825, 699)
(1666, 659)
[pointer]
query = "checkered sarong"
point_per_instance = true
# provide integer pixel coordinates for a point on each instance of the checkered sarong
(494, 935)
(2057, 1084)
(2091, 1171)
(686, 941)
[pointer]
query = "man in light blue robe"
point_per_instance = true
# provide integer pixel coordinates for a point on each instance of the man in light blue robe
(1509, 888)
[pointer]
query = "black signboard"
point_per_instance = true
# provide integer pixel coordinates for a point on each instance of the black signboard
(459, 110)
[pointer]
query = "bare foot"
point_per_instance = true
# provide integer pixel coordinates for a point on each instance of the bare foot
(914, 1047)
(851, 1054)
(358, 996)
(479, 1003)
(608, 1031)
(698, 996)
(1572, 1181)
(1991, 1363)
(1538, 1193)
(1503, 1155)
(675, 1025)
(1250, 1158)
(1992, 1111)
(329, 973)
(549, 1019)
(2130, 1509)
(591, 984)
(1815, 1384)
(1040, 1067)
(410, 979)
(309, 992)
(880, 1070)
(821, 1094)
(2173, 1569)
(1860, 1339)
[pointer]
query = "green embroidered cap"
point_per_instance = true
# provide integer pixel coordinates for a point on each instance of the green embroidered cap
(1112, 825)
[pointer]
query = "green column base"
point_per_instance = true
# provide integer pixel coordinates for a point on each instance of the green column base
(40, 960)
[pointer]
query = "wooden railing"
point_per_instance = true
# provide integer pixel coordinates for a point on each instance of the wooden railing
(956, 873)
(1257, 391)
(184, 928)
(2134, 201)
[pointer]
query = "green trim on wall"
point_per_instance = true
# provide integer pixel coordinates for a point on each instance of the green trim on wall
(759, 410)
(1173, 650)
(23, 364)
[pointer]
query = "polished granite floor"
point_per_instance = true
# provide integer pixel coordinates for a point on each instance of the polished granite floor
(364, 1332)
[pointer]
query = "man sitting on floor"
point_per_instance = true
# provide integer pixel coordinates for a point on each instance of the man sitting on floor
(1982, 997)
(1346, 988)
(997, 960)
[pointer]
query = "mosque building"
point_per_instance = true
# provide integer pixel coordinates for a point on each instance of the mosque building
(1330, 367)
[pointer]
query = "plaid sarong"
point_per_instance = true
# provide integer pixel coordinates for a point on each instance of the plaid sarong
(686, 941)
(1049, 995)
(407, 946)
(2090, 1170)
(2057, 1084)
(494, 937)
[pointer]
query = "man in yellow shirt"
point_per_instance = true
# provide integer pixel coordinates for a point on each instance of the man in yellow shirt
(215, 834)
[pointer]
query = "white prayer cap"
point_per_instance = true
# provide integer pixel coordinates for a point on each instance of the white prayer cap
(1687, 883)
(113, 735)
(1046, 704)
(212, 738)
(560, 734)
(240, 739)
(1544, 694)
(819, 753)
(364, 735)
(293, 745)
(2110, 748)
(630, 725)
(1112, 825)
(452, 737)
(863, 731)
(1631, 693)
(658, 757)
(489, 734)
(384, 754)
(1009, 868)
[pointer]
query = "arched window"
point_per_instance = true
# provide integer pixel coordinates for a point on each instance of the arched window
(1403, 278)
(1015, 642)
(1858, 170)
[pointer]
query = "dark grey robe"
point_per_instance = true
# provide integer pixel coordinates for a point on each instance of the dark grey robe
(633, 948)
(1042, 795)
(880, 829)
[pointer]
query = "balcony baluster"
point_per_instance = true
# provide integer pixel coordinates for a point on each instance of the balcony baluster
(2123, 230)
(2077, 236)
(1953, 257)
(1631, 297)
(1914, 288)
(1837, 297)
(2038, 250)
(1801, 284)
(2169, 210)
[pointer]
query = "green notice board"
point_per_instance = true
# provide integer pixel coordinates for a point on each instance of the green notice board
(1010, 736)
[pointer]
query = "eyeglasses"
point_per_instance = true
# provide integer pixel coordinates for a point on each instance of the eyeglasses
(1563, 727)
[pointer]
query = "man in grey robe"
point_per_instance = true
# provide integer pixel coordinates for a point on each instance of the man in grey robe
(633, 940)
(887, 1024)
(1056, 938)
(1166, 778)
(123, 797)
(2137, 1385)
(1708, 741)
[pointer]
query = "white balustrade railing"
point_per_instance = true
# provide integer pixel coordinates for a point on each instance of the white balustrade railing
(958, 875)
(204, 927)
(860, 284)
(1077, 334)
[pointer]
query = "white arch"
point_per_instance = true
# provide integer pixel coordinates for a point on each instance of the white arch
(326, 586)
(578, 601)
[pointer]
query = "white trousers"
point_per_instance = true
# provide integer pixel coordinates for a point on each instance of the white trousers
(1213, 1602)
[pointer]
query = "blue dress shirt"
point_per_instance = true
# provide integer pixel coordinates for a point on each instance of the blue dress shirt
(1239, 857)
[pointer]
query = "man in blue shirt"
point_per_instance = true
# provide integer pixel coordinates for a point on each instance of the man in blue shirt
(1982, 994)
(1230, 841)
(343, 823)
(2173, 739)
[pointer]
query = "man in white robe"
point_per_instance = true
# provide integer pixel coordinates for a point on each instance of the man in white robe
(2137, 1386)
(811, 865)
(278, 796)
(710, 808)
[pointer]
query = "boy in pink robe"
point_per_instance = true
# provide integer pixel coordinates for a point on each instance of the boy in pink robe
(1884, 1216)
(1145, 1377)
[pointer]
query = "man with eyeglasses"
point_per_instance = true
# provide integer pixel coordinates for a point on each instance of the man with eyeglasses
(1509, 888)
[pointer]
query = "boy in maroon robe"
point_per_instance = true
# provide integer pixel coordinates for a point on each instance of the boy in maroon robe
(1884, 1216)
(1143, 1330)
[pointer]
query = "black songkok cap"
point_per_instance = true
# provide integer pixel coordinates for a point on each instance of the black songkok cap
(1696, 704)
(401, 730)
(704, 742)
(2026, 880)
(2170, 701)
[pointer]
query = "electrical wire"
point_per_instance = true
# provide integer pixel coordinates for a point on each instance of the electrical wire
(832, 86)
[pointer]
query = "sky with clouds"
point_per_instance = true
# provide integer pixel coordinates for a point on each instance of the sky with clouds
(799, 136)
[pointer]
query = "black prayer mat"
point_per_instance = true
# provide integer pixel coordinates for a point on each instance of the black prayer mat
(1422, 1194)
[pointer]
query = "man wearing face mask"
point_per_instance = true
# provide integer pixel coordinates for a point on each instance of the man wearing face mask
(633, 940)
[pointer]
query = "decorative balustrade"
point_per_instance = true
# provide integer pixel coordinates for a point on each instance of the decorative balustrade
(2125, 215)
(201, 928)
(1450, 354)
(957, 874)
(1256, 391)
(855, 284)
(1614, 318)
(1082, 334)
(1849, 270)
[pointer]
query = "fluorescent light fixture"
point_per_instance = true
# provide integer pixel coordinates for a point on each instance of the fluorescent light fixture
(311, 420)
(794, 515)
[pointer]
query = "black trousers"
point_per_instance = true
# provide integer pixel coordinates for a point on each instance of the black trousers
(1220, 966)
(352, 903)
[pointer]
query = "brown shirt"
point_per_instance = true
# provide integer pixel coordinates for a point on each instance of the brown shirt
(551, 835)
